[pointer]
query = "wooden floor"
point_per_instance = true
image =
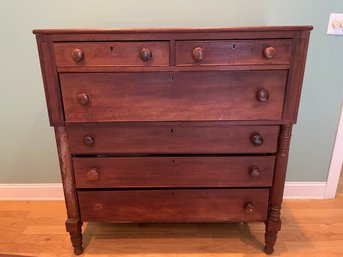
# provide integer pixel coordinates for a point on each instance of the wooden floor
(310, 228)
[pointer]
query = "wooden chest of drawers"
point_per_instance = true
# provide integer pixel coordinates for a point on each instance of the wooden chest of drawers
(173, 125)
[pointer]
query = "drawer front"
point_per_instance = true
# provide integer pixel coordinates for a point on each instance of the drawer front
(169, 139)
(205, 205)
(112, 54)
(228, 52)
(178, 96)
(137, 172)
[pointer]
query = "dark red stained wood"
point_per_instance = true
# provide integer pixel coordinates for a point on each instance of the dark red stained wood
(125, 172)
(237, 67)
(295, 79)
(205, 205)
(179, 96)
(74, 222)
(249, 29)
(232, 52)
(51, 84)
(112, 53)
(273, 222)
(139, 106)
(163, 139)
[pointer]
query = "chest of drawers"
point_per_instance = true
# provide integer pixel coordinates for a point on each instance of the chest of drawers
(173, 125)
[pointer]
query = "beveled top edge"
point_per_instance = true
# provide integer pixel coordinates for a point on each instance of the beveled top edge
(169, 30)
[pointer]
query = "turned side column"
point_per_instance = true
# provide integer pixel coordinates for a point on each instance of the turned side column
(73, 223)
(273, 222)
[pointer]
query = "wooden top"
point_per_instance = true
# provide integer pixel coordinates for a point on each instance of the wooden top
(169, 30)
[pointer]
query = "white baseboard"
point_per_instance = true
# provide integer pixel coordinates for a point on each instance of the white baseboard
(305, 190)
(39, 191)
(54, 191)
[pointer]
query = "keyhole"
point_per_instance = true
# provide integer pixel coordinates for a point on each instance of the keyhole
(234, 46)
(173, 161)
(111, 48)
(172, 130)
(171, 77)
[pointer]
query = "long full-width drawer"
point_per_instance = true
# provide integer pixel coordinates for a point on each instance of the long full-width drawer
(174, 96)
(186, 205)
(171, 139)
(162, 172)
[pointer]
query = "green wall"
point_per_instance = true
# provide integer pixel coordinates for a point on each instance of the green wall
(27, 148)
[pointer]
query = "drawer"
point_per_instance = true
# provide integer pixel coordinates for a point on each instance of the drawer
(229, 52)
(205, 205)
(176, 96)
(112, 54)
(126, 172)
(169, 139)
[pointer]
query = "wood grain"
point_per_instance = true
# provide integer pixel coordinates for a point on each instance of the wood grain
(232, 52)
(181, 96)
(183, 205)
(112, 53)
(145, 172)
(169, 139)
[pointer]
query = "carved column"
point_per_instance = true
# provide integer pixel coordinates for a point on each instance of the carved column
(273, 222)
(73, 223)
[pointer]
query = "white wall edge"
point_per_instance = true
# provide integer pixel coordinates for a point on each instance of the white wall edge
(54, 191)
(336, 161)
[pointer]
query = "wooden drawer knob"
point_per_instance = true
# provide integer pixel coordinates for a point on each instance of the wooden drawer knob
(269, 52)
(249, 207)
(256, 139)
(83, 99)
(98, 206)
(77, 55)
(254, 172)
(145, 54)
(262, 95)
(88, 140)
(198, 53)
(93, 174)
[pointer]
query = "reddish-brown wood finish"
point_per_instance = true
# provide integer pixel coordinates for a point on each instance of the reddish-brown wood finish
(273, 223)
(230, 52)
(74, 222)
(147, 172)
(164, 139)
(113, 54)
(50, 79)
(177, 96)
(183, 205)
(173, 125)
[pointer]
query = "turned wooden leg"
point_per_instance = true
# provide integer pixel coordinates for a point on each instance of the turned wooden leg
(74, 229)
(273, 222)
(273, 225)
(73, 223)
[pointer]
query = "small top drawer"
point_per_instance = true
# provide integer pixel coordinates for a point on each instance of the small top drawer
(229, 52)
(112, 54)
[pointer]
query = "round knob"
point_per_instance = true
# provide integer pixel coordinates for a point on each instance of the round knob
(262, 95)
(145, 54)
(249, 207)
(93, 174)
(254, 172)
(83, 99)
(97, 206)
(77, 55)
(269, 52)
(256, 140)
(88, 140)
(198, 53)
